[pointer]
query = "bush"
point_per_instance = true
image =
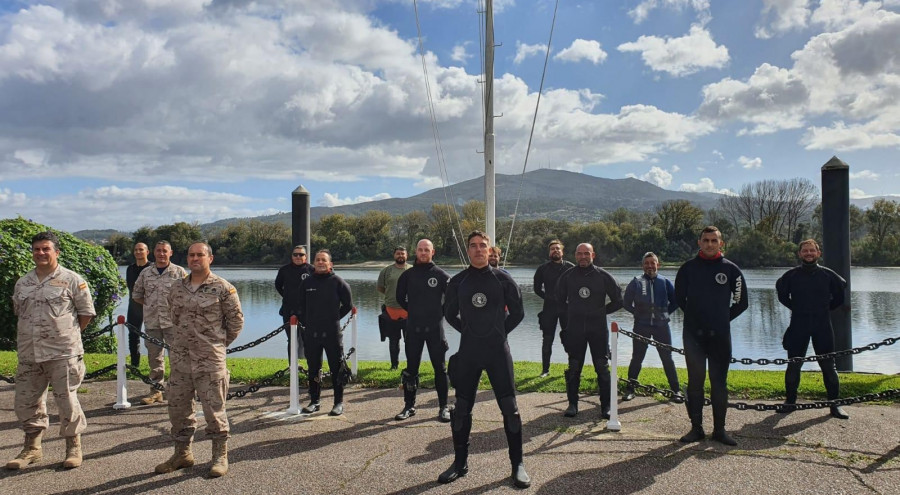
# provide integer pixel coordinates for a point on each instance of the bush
(92, 262)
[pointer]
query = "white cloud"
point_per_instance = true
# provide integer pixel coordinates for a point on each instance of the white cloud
(781, 16)
(843, 137)
(642, 10)
(856, 193)
(705, 185)
(582, 50)
(675, 168)
(11, 199)
(750, 163)
(329, 199)
(657, 176)
(524, 51)
(459, 53)
(838, 14)
(680, 56)
(865, 174)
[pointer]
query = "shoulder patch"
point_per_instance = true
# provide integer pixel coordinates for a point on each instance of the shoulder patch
(232, 290)
(82, 286)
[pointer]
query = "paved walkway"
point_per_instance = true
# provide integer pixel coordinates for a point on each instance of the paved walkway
(367, 452)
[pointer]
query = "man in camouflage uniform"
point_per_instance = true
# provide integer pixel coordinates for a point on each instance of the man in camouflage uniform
(53, 306)
(152, 291)
(207, 318)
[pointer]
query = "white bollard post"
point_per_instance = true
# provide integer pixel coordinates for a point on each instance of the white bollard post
(354, 359)
(295, 381)
(121, 356)
(613, 423)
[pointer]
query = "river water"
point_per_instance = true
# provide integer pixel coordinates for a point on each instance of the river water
(755, 334)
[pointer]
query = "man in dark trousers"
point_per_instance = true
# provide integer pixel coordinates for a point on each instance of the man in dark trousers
(287, 283)
(545, 287)
(586, 295)
(420, 291)
(651, 299)
(324, 299)
(711, 291)
(135, 310)
(484, 304)
(811, 291)
(392, 319)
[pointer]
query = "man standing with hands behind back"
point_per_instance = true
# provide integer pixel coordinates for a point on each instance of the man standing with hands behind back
(545, 287)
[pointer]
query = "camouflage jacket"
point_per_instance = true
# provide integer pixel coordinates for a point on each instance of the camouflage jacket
(153, 288)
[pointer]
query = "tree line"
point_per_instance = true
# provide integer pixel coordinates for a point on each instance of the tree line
(762, 226)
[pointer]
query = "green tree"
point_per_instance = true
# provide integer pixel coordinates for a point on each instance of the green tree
(93, 262)
(679, 220)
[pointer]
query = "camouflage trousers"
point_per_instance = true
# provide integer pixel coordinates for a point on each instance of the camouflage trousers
(212, 389)
(156, 355)
(32, 379)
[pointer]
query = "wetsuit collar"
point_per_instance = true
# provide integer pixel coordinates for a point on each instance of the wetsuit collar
(323, 275)
(704, 257)
(484, 269)
(809, 266)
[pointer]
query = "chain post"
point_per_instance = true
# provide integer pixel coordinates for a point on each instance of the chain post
(354, 363)
(613, 423)
(121, 373)
(294, 407)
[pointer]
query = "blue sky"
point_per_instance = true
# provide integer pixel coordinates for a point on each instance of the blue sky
(123, 113)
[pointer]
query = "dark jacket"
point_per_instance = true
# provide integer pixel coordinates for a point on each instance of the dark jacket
(545, 279)
(135, 310)
(711, 293)
(287, 283)
(477, 301)
(324, 300)
(420, 291)
(581, 294)
(810, 292)
(650, 300)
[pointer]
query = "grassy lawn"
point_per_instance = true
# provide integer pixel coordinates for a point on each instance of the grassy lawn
(742, 384)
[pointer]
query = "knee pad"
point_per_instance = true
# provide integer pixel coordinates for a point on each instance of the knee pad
(508, 406)
(409, 380)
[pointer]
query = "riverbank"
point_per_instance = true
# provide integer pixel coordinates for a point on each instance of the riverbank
(742, 384)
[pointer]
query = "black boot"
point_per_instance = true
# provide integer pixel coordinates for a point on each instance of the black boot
(409, 396)
(832, 387)
(512, 425)
(603, 384)
(791, 384)
(695, 413)
(629, 391)
(719, 434)
(461, 424)
(572, 384)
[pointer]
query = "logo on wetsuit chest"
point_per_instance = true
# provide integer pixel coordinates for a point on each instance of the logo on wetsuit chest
(584, 292)
(432, 282)
(721, 278)
(303, 276)
(479, 300)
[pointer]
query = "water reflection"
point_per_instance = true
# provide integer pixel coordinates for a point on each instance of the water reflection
(755, 334)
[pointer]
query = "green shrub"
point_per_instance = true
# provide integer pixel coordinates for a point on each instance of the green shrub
(89, 260)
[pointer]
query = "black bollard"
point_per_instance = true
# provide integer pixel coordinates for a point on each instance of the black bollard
(300, 219)
(836, 248)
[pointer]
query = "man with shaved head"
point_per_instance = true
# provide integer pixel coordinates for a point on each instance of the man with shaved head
(420, 291)
(586, 294)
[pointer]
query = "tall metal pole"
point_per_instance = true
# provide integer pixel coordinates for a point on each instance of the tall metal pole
(836, 248)
(300, 218)
(490, 211)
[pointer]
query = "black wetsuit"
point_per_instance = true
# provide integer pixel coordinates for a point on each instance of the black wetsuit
(420, 291)
(810, 291)
(324, 300)
(135, 312)
(545, 279)
(287, 283)
(582, 294)
(711, 293)
(484, 304)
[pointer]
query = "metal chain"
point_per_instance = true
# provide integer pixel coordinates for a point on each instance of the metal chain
(668, 394)
(91, 336)
(146, 379)
(154, 340)
(258, 341)
(775, 361)
(256, 386)
(101, 371)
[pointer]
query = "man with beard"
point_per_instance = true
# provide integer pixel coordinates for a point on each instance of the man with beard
(324, 299)
(135, 310)
(392, 319)
(811, 291)
(711, 292)
(582, 292)
(420, 290)
(484, 305)
(287, 283)
(545, 287)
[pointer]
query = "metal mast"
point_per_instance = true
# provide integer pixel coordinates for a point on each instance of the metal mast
(489, 181)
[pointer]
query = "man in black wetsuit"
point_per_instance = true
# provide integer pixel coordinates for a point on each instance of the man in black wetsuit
(324, 299)
(420, 291)
(811, 291)
(287, 283)
(711, 291)
(135, 310)
(483, 304)
(545, 287)
(582, 293)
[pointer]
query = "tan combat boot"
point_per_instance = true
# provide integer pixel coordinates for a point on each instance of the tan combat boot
(73, 452)
(154, 397)
(220, 458)
(182, 458)
(31, 452)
